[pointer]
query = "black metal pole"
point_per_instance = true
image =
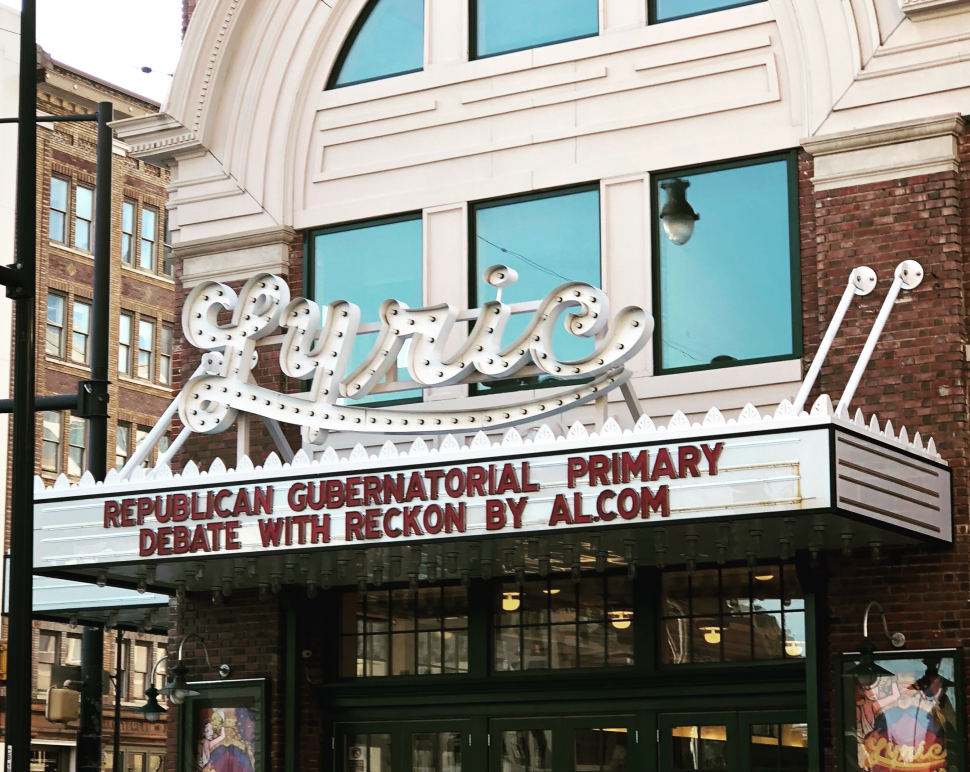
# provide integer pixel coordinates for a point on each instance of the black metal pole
(101, 305)
(92, 643)
(19, 632)
(89, 733)
(116, 765)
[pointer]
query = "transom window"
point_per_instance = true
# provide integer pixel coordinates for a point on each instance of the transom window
(80, 332)
(388, 39)
(60, 196)
(502, 26)
(127, 229)
(733, 615)
(725, 262)
(83, 217)
(56, 305)
(669, 10)
(404, 632)
(559, 623)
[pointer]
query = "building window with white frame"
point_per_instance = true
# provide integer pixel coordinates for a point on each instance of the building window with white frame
(122, 445)
(149, 226)
(549, 238)
(747, 308)
(165, 356)
(140, 670)
(126, 324)
(670, 10)
(48, 655)
(141, 435)
(50, 454)
(56, 306)
(80, 332)
(73, 654)
(365, 263)
(83, 217)
(77, 446)
(60, 197)
(146, 350)
(127, 230)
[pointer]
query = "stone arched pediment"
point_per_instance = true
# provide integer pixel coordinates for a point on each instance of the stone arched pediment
(250, 125)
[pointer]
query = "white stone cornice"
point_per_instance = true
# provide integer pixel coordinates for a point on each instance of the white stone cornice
(928, 9)
(237, 257)
(892, 151)
(157, 138)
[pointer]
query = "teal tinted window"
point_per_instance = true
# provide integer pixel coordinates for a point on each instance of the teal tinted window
(388, 40)
(725, 289)
(366, 265)
(549, 240)
(501, 26)
(667, 10)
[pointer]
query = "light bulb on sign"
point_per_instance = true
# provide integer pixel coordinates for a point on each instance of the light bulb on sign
(510, 601)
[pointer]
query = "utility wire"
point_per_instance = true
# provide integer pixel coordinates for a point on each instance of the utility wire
(528, 261)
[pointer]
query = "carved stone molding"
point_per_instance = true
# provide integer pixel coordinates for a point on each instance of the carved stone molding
(924, 9)
(237, 257)
(889, 152)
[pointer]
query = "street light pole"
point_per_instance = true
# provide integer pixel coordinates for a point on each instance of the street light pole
(19, 631)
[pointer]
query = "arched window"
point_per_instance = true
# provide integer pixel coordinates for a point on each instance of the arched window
(502, 26)
(388, 39)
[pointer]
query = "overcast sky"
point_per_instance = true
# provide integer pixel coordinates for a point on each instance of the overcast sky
(114, 39)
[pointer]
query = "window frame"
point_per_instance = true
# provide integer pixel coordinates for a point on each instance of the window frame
(65, 314)
(75, 216)
(150, 378)
(652, 11)
(142, 240)
(165, 357)
(129, 345)
(533, 382)
(86, 334)
(56, 657)
(127, 427)
(473, 54)
(58, 444)
(310, 280)
(65, 213)
(130, 257)
(351, 39)
(791, 159)
(73, 421)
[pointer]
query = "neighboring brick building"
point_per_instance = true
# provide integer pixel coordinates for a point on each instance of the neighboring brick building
(142, 301)
(830, 141)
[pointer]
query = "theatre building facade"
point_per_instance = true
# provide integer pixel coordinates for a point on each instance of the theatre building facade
(563, 386)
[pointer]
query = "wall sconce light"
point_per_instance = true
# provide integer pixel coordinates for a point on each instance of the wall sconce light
(177, 690)
(678, 216)
(621, 620)
(712, 634)
(867, 671)
(510, 601)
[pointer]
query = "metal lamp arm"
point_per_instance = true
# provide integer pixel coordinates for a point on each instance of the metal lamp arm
(155, 668)
(898, 640)
(222, 669)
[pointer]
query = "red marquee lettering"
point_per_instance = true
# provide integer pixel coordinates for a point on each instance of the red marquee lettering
(712, 455)
(243, 506)
(199, 541)
(560, 511)
(631, 467)
(389, 528)
(575, 468)
(270, 531)
(263, 501)
(656, 502)
(410, 521)
(689, 457)
(599, 470)
(517, 508)
(217, 504)
(319, 529)
(494, 515)
(438, 522)
(601, 502)
(372, 529)
(297, 497)
(180, 537)
(164, 543)
(663, 466)
(353, 524)
(146, 542)
(455, 518)
(111, 511)
(628, 504)
(232, 538)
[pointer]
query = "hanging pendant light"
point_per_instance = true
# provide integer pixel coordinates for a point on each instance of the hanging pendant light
(678, 216)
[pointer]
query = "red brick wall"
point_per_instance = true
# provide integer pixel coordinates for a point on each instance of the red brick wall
(249, 635)
(915, 379)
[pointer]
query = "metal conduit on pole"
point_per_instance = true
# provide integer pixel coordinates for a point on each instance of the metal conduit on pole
(93, 405)
(19, 633)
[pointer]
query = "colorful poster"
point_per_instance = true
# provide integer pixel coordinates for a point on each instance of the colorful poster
(906, 719)
(226, 739)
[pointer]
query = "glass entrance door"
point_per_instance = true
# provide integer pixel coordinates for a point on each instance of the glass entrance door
(401, 746)
(734, 742)
(564, 744)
